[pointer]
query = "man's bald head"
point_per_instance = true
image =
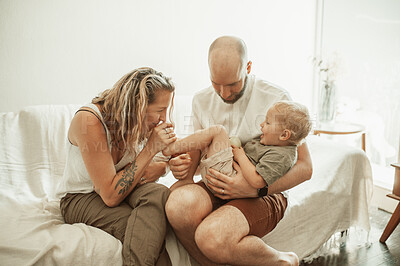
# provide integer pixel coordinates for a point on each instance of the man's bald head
(227, 60)
(227, 51)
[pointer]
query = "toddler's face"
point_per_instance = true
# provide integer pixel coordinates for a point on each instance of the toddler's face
(271, 128)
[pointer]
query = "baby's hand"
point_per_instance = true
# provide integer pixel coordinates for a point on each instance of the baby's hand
(238, 153)
(235, 142)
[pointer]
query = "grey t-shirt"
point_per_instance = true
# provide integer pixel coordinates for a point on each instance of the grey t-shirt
(272, 162)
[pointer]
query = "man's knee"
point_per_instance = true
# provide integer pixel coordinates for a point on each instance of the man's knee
(212, 241)
(219, 234)
(187, 205)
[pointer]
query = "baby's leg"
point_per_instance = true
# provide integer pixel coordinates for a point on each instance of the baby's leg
(214, 137)
(219, 142)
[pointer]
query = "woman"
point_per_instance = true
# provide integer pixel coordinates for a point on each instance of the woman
(105, 182)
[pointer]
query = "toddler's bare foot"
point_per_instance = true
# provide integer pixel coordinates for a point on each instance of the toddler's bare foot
(167, 151)
(289, 259)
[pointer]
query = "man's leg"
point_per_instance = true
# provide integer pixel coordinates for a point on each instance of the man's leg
(186, 208)
(225, 237)
(214, 137)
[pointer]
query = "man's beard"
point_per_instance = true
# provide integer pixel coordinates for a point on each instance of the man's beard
(238, 95)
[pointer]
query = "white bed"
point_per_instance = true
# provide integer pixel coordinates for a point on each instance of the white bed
(32, 230)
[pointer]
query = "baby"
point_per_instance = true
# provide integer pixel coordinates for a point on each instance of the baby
(262, 160)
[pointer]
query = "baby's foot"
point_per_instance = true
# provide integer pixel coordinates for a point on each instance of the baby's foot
(167, 151)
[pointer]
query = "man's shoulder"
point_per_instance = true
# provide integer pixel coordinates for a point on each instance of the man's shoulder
(269, 88)
(203, 98)
(206, 92)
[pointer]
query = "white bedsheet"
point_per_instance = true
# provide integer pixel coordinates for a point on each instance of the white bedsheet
(32, 231)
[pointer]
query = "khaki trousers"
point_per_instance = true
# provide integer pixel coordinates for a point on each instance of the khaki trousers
(139, 222)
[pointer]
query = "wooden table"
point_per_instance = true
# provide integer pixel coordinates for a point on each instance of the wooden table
(341, 128)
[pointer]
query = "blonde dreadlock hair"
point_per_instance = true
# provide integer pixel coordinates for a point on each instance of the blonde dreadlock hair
(124, 105)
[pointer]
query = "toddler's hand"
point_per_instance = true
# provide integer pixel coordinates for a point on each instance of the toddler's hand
(237, 153)
(235, 142)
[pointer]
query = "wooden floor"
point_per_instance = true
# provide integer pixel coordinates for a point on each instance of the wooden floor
(373, 255)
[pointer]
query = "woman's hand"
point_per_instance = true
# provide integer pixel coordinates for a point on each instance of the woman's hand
(227, 187)
(161, 136)
(153, 172)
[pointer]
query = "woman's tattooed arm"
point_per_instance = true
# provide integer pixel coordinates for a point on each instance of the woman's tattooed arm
(127, 178)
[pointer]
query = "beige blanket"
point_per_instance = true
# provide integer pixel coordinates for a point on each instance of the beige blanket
(32, 231)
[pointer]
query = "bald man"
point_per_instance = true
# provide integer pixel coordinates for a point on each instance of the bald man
(226, 227)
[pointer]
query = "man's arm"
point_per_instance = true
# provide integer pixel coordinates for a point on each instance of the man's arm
(300, 172)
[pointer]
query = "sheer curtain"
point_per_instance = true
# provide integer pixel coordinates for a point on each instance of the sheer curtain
(362, 37)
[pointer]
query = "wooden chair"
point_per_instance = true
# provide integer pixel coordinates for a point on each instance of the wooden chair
(395, 219)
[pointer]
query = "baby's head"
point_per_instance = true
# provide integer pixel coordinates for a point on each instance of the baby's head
(286, 123)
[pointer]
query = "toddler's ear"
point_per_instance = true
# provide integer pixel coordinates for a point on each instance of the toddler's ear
(285, 135)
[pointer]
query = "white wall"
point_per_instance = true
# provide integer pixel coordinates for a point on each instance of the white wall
(56, 52)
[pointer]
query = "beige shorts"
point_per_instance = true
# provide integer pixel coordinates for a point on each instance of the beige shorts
(221, 162)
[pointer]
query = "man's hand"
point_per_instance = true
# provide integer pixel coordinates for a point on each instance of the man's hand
(227, 187)
(153, 172)
(180, 165)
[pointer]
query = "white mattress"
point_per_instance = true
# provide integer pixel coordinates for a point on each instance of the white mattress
(32, 230)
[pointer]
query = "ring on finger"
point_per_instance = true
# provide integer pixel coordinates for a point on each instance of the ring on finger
(143, 180)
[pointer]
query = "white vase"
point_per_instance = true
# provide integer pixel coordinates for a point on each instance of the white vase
(327, 102)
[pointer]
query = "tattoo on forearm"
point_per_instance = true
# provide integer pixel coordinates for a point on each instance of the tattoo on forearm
(127, 178)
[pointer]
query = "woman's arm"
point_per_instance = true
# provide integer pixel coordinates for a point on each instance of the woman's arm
(248, 169)
(154, 171)
(88, 134)
(122, 183)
